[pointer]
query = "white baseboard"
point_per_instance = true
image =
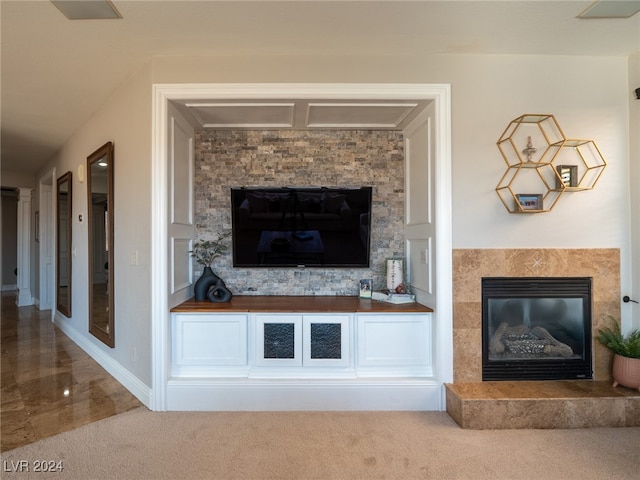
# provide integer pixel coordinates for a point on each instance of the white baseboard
(321, 395)
(132, 383)
(9, 288)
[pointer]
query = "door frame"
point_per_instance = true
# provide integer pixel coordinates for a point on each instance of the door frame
(162, 94)
(46, 241)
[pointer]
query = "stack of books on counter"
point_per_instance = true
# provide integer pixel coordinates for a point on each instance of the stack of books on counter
(393, 297)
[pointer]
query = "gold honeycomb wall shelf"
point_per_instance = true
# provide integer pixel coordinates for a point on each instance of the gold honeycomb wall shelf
(542, 164)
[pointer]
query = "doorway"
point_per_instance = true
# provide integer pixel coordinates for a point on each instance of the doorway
(9, 239)
(46, 244)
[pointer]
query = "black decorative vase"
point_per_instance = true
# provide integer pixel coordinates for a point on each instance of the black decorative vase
(219, 293)
(206, 280)
(211, 287)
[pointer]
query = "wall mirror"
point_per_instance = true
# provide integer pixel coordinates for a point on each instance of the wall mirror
(100, 226)
(63, 244)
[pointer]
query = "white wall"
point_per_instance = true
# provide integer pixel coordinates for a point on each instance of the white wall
(124, 119)
(633, 309)
(588, 98)
(588, 95)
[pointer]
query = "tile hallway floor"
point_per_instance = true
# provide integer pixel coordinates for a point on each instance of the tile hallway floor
(49, 385)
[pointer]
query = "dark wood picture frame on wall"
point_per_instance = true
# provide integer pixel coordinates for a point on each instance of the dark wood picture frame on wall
(568, 175)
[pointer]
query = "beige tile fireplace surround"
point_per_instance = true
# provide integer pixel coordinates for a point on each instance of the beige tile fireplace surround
(562, 404)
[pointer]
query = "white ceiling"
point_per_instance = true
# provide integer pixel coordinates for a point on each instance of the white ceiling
(57, 72)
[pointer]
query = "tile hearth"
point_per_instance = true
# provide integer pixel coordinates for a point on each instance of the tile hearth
(542, 404)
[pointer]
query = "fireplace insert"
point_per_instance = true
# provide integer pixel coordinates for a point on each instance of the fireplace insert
(536, 328)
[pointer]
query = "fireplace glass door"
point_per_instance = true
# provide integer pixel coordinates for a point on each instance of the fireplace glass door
(536, 328)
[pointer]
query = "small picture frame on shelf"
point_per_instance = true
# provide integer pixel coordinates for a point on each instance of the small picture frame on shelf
(568, 175)
(366, 288)
(529, 201)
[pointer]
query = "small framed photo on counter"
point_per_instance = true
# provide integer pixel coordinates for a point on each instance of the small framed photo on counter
(365, 288)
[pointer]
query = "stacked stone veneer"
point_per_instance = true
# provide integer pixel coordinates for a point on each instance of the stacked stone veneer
(225, 159)
(469, 266)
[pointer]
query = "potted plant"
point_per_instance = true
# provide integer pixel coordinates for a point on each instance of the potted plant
(626, 354)
(205, 252)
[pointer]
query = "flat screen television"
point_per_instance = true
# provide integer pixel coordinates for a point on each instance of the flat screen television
(301, 227)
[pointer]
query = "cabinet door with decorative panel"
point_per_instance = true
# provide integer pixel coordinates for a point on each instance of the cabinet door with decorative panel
(279, 340)
(394, 345)
(326, 340)
(202, 342)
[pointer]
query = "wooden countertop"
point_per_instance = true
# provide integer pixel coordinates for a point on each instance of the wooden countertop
(298, 304)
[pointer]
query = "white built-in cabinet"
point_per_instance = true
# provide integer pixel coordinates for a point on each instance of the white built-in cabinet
(302, 360)
(344, 353)
(302, 345)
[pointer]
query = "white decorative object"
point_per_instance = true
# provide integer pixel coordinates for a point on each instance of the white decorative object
(394, 273)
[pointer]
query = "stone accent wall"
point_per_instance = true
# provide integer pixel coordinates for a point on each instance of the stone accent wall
(343, 158)
(469, 266)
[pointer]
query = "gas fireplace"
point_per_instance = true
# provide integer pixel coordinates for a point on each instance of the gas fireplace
(536, 328)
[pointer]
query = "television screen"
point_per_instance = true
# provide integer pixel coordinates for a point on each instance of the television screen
(301, 227)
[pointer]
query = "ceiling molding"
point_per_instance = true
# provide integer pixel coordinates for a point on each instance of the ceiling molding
(243, 115)
(358, 115)
(336, 107)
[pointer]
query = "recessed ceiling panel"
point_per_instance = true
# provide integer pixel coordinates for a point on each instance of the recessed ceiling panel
(243, 115)
(357, 115)
(611, 9)
(87, 9)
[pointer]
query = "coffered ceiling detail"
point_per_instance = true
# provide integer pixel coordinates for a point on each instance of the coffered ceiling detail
(303, 114)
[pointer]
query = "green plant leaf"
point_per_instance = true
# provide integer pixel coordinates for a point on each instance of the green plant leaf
(612, 338)
(206, 251)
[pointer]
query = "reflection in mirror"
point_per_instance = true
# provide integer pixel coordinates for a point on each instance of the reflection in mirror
(100, 225)
(63, 245)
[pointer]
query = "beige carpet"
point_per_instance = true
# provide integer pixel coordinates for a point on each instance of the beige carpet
(324, 445)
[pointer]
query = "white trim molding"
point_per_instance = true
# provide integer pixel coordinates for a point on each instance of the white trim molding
(132, 383)
(440, 94)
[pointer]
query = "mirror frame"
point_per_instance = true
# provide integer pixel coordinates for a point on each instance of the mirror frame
(108, 336)
(64, 229)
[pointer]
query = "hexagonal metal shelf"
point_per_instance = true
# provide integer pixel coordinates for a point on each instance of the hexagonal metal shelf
(531, 138)
(537, 177)
(580, 164)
